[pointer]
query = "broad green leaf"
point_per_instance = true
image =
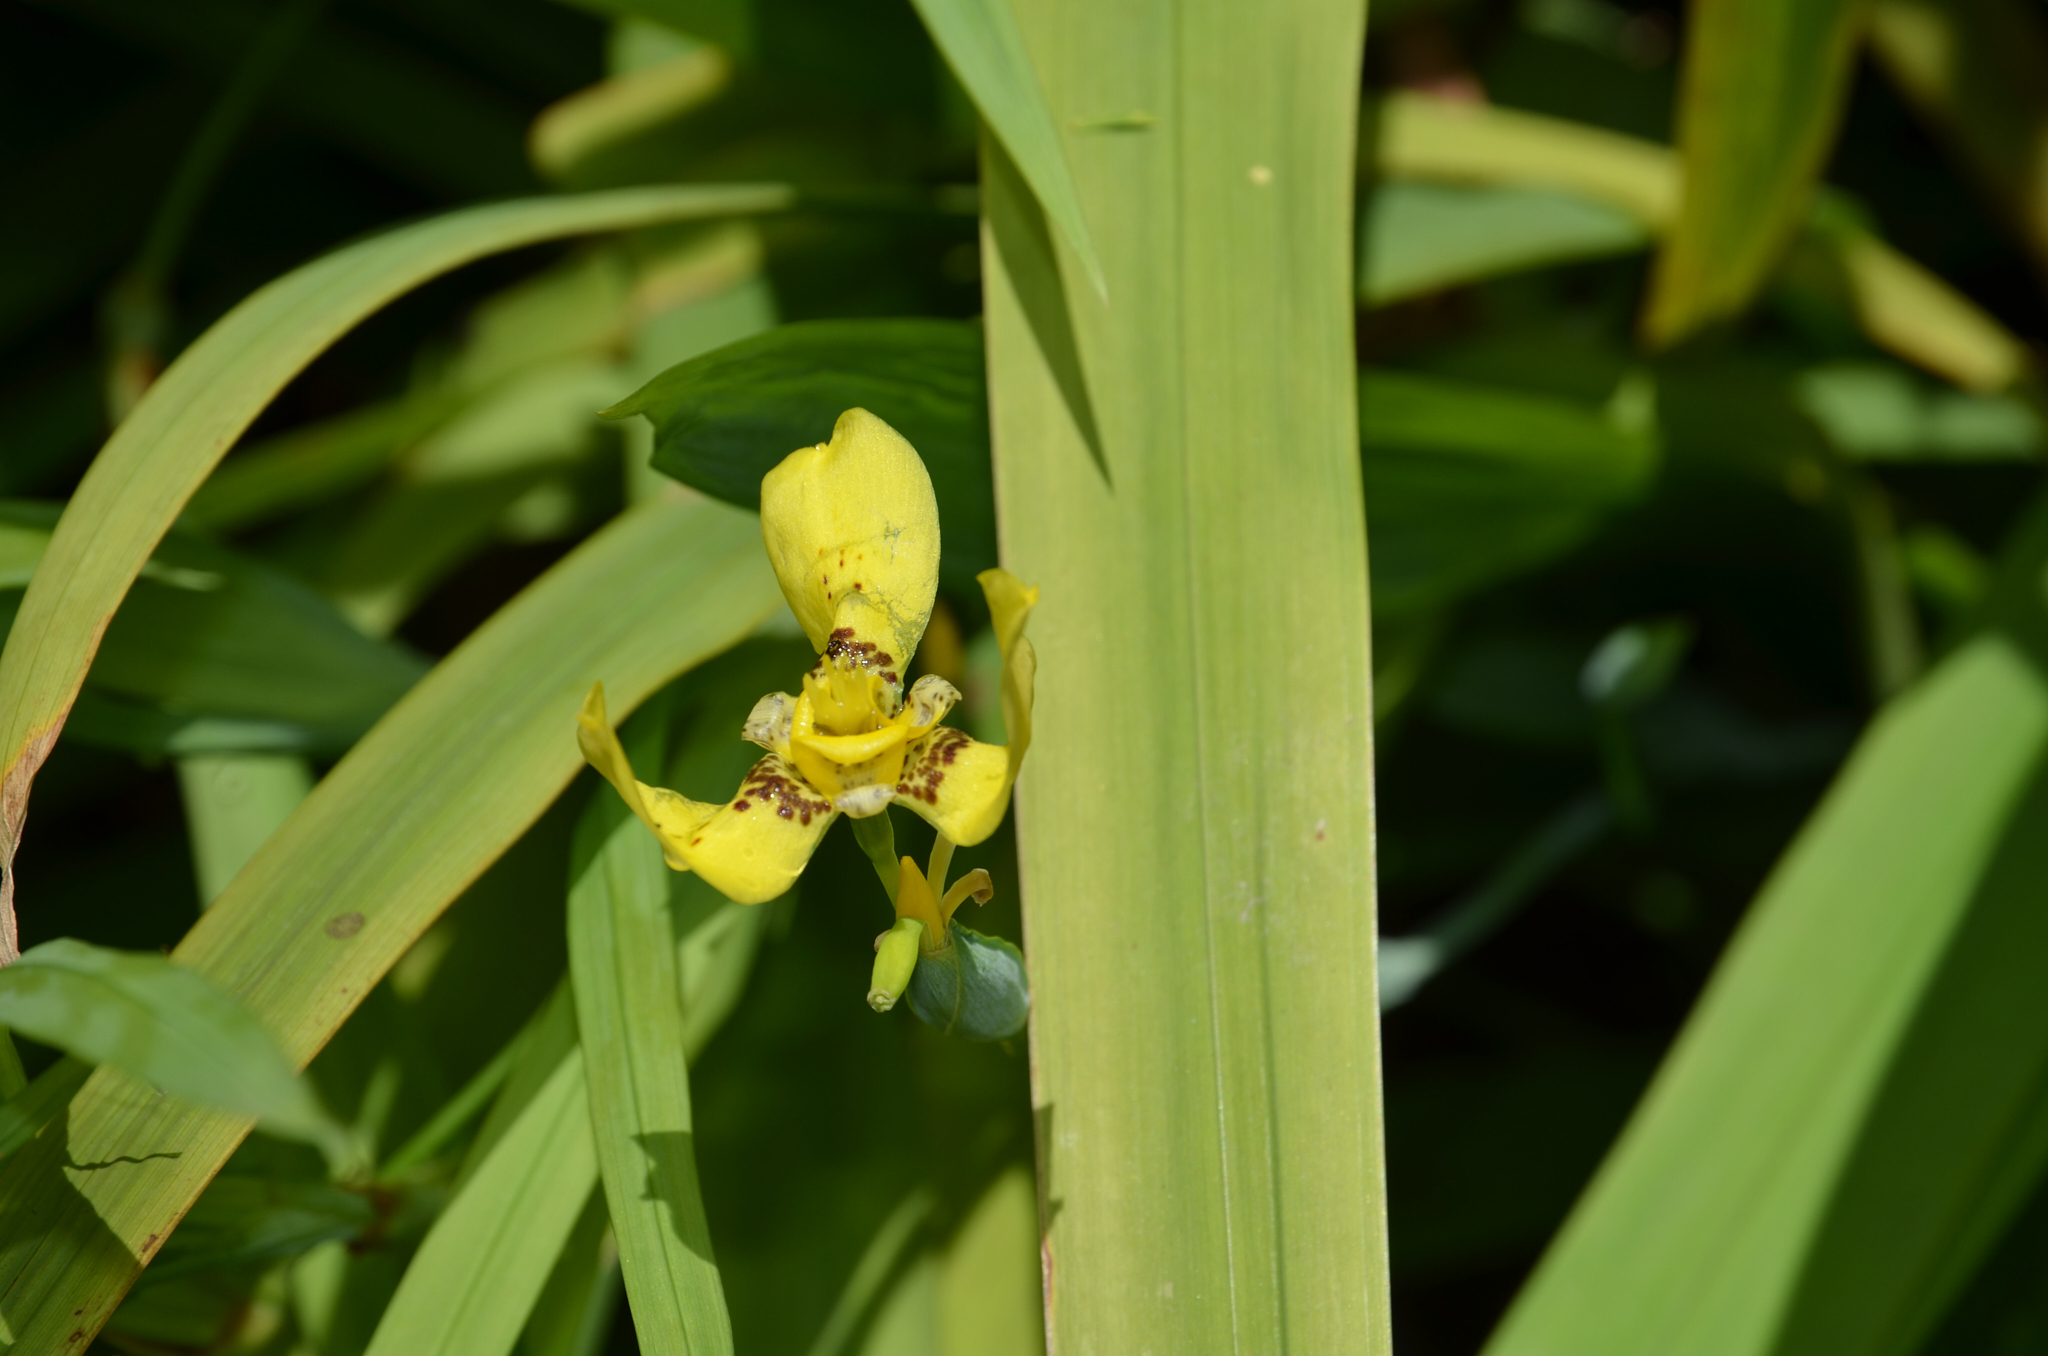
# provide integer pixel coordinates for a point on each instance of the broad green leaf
(1853, 1109)
(1419, 237)
(203, 402)
(1977, 70)
(723, 420)
(1901, 306)
(1202, 639)
(1466, 484)
(458, 769)
(1764, 86)
(166, 1025)
(482, 1266)
(988, 52)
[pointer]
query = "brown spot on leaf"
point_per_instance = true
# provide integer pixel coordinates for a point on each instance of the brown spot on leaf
(343, 926)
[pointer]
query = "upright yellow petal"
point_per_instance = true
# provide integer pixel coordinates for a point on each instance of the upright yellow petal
(959, 785)
(852, 530)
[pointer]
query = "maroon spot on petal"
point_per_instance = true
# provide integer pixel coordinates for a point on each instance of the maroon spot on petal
(741, 806)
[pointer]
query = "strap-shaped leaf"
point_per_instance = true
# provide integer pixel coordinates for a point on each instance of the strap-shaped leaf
(1201, 770)
(194, 413)
(457, 770)
(1764, 86)
(483, 1264)
(985, 48)
(1853, 1110)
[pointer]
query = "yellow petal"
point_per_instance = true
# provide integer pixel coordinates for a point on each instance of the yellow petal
(959, 785)
(855, 748)
(914, 899)
(668, 814)
(752, 849)
(853, 533)
(1010, 602)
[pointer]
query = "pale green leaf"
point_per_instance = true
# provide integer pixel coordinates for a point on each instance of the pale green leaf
(483, 1265)
(1876, 412)
(233, 803)
(1419, 237)
(1763, 90)
(1202, 640)
(206, 399)
(1853, 1109)
(987, 51)
(458, 769)
(149, 1017)
(622, 955)
(1902, 307)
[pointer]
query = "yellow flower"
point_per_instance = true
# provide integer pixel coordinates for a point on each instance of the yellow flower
(852, 530)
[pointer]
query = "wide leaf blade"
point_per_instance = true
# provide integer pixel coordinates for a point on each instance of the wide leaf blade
(1195, 821)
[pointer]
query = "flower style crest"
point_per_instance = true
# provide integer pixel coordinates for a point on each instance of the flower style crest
(852, 530)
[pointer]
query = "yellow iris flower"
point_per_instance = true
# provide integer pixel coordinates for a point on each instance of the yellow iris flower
(852, 529)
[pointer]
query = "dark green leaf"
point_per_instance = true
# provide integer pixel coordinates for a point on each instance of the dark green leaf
(724, 420)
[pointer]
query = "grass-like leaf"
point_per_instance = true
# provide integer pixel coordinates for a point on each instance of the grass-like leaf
(1764, 85)
(458, 769)
(1853, 1110)
(476, 1277)
(987, 51)
(202, 404)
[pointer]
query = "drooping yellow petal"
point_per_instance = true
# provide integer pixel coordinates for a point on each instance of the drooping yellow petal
(750, 849)
(670, 815)
(852, 530)
(959, 785)
(753, 848)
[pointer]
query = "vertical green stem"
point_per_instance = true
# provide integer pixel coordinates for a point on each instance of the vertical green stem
(877, 838)
(233, 802)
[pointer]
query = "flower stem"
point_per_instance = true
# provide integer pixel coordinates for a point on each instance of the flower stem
(877, 837)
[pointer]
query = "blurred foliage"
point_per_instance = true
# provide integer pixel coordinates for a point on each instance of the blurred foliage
(1633, 609)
